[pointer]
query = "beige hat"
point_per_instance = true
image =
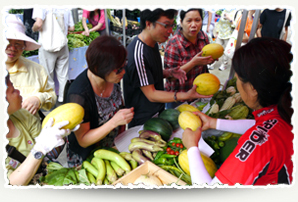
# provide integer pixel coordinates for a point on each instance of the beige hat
(16, 30)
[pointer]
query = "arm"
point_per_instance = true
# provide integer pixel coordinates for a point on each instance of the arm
(286, 34)
(49, 138)
(25, 172)
(172, 53)
(199, 174)
(84, 22)
(154, 95)
(209, 21)
(46, 94)
(87, 136)
(37, 26)
(70, 22)
(236, 126)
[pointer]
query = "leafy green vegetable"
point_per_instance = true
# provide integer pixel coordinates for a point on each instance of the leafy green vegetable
(29, 53)
(80, 40)
(58, 175)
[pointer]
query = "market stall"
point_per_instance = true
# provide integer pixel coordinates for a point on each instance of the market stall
(155, 150)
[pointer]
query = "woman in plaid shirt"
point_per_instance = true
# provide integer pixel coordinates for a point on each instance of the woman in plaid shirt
(184, 50)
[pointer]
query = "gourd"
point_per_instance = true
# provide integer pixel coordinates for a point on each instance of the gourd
(187, 107)
(214, 49)
(72, 112)
(171, 115)
(159, 126)
(208, 162)
(207, 84)
(187, 119)
(148, 180)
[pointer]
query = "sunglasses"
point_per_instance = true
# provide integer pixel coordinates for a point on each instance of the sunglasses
(119, 70)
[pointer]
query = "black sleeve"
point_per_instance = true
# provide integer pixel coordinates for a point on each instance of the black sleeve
(288, 20)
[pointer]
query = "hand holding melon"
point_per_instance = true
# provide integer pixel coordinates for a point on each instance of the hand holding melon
(207, 84)
(214, 49)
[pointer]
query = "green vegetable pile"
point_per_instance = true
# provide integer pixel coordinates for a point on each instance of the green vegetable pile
(221, 146)
(168, 159)
(80, 40)
(79, 26)
(58, 175)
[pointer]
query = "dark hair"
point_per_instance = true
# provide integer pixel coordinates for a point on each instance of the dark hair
(91, 16)
(104, 54)
(152, 16)
(265, 63)
(183, 13)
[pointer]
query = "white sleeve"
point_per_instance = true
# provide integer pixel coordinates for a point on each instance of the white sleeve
(198, 172)
(38, 13)
(235, 126)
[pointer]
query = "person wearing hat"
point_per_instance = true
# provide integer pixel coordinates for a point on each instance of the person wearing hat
(27, 76)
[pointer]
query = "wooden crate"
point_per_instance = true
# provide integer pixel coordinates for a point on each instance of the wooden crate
(165, 177)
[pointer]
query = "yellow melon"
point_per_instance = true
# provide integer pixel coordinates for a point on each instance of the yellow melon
(187, 119)
(207, 84)
(214, 49)
(208, 162)
(187, 107)
(72, 112)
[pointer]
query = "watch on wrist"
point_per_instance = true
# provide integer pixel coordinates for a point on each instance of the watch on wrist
(37, 154)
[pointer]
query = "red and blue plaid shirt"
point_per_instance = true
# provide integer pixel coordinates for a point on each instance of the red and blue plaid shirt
(180, 51)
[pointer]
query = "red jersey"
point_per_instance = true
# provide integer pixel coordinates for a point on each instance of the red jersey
(263, 153)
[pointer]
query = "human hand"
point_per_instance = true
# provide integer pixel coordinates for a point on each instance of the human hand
(198, 59)
(86, 33)
(191, 138)
(51, 136)
(192, 94)
(207, 121)
(178, 74)
(208, 29)
(31, 104)
(123, 116)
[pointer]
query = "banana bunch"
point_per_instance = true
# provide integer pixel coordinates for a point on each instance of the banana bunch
(107, 166)
(145, 147)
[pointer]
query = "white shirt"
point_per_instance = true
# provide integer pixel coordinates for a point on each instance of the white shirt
(41, 13)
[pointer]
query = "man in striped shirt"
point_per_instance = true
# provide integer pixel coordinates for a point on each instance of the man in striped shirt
(143, 80)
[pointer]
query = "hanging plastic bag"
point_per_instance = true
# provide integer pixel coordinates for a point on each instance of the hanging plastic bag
(52, 36)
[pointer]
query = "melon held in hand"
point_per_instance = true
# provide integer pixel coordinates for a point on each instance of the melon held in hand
(72, 112)
(213, 49)
(207, 84)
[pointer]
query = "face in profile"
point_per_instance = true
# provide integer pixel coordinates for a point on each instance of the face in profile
(13, 97)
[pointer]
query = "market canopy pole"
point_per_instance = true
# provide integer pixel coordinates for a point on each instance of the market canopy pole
(123, 27)
(254, 24)
(75, 15)
(107, 22)
(239, 39)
